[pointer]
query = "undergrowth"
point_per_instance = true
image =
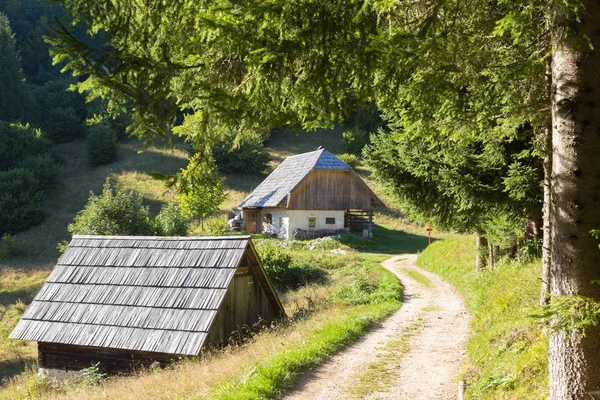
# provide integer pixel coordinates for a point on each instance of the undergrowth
(507, 348)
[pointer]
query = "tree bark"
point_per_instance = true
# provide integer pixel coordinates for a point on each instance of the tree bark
(546, 238)
(480, 246)
(574, 361)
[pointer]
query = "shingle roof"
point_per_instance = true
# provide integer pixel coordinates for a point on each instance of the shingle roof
(275, 188)
(138, 293)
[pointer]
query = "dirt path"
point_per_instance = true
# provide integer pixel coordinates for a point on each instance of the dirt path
(415, 354)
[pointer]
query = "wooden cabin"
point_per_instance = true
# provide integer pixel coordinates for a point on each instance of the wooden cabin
(126, 301)
(310, 191)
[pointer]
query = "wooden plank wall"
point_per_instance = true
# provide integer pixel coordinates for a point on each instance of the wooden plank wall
(331, 190)
(74, 358)
(243, 305)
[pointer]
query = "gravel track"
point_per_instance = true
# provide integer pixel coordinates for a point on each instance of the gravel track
(429, 369)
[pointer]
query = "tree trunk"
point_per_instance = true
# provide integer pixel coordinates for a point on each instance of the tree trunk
(480, 246)
(575, 194)
(491, 258)
(546, 238)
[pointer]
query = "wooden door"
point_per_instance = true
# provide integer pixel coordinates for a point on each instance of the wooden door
(251, 217)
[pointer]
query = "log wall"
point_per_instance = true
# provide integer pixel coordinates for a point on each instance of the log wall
(74, 358)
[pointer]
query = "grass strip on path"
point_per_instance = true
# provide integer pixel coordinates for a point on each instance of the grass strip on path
(271, 378)
(507, 348)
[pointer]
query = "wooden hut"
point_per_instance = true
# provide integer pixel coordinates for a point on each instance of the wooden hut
(124, 301)
(310, 191)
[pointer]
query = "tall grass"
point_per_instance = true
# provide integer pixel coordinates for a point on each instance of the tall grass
(507, 347)
(270, 362)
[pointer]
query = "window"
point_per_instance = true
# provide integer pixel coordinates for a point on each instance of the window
(312, 222)
(330, 221)
(268, 218)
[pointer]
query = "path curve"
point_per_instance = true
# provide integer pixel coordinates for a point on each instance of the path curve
(429, 369)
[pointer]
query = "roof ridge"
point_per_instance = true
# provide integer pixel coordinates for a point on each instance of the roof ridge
(158, 238)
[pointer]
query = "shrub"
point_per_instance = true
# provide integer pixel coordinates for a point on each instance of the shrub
(101, 145)
(93, 375)
(355, 140)
(63, 125)
(114, 212)
(20, 200)
(18, 142)
(350, 159)
(170, 222)
(43, 167)
(249, 157)
(26, 169)
(217, 225)
(282, 271)
(9, 246)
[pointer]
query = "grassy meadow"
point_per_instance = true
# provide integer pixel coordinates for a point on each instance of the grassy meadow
(23, 273)
(506, 350)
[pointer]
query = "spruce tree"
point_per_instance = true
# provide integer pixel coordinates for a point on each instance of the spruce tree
(13, 93)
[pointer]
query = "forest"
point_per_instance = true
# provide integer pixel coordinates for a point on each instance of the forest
(475, 117)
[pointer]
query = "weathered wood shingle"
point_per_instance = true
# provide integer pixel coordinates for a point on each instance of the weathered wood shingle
(135, 293)
(277, 186)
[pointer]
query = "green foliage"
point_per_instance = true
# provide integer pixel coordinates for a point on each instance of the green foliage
(9, 247)
(93, 375)
(355, 140)
(170, 221)
(38, 386)
(13, 95)
(17, 142)
(201, 190)
(20, 200)
(460, 185)
(569, 313)
(284, 271)
(276, 261)
(217, 225)
(63, 125)
(359, 290)
(44, 167)
(114, 212)
(101, 144)
(531, 249)
(350, 159)
(507, 347)
(246, 155)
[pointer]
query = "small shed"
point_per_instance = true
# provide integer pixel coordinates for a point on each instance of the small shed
(314, 191)
(126, 301)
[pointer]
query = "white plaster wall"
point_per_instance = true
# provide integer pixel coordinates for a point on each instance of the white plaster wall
(280, 221)
(299, 219)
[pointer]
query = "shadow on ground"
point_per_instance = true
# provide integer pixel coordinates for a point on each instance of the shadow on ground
(390, 241)
(11, 368)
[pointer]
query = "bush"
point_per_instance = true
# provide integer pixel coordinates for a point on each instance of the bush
(282, 271)
(217, 225)
(18, 142)
(20, 200)
(63, 125)
(250, 157)
(170, 222)
(101, 145)
(26, 169)
(114, 212)
(9, 247)
(355, 140)
(43, 167)
(350, 159)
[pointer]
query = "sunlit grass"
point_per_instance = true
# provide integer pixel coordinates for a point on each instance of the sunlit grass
(507, 349)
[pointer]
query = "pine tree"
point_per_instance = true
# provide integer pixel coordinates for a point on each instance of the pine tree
(447, 70)
(13, 93)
